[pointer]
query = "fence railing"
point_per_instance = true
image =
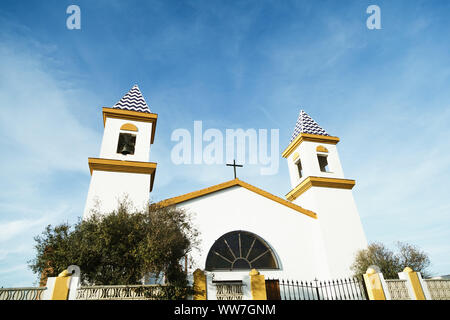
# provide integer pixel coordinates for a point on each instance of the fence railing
(31, 293)
(229, 291)
(439, 289)
(131, 292)
(397, 289)
(341, 289)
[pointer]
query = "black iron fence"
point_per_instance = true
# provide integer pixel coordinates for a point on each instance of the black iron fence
(341, 289)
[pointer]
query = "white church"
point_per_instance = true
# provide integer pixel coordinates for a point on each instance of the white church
(313, 232)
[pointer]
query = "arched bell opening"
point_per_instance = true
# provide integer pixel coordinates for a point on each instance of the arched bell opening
(126, 144)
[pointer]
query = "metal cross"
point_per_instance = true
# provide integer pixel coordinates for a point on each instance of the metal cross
(234, 165)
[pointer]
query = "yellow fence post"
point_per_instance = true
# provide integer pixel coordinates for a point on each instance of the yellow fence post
(374, 285)
(199, 285)
(61, 286)
(416, 289)
(257, 285)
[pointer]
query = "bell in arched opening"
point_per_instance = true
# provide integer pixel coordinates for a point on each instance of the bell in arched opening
(126, 143)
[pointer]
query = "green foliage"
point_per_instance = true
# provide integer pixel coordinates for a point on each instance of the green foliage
(391, 263)
(121, 247)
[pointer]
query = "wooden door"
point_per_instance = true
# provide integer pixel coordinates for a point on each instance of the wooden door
(273, 290)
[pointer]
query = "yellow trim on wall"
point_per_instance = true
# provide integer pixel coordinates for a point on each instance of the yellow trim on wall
(308, 137)
(373, 285)
(415, 283)
(123, 166)
(309, 182)
(321, 149)
(129, 127)
(231, 183)
(61, 286)
(131, 115)
(199, 285)
(257, 285)
(295, 156)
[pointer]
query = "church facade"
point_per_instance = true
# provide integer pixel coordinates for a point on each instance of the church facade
(313, 232)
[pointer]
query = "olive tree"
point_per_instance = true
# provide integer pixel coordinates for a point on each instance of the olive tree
(121, 247)
(389, 262)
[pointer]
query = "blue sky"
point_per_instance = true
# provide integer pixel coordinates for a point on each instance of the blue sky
(240, 64)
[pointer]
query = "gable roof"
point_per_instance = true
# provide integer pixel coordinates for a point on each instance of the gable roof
(133, 101)
(229, 184)
(306, 124)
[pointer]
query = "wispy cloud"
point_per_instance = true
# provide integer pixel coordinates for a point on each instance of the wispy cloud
(44, 144)
(13, 229)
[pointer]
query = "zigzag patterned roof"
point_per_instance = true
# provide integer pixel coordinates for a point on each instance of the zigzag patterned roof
(305, 124)
(133, 101)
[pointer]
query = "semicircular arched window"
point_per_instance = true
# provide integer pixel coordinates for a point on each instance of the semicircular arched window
(240, 250)
(129, 127)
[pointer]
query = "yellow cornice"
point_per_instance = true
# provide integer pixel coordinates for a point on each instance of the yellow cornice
(319, 182)
(123, 166)
(308, 137)
(231, 183)
(131, 115)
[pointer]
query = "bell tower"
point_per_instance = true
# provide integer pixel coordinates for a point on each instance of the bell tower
(318, 184)
(123, 168)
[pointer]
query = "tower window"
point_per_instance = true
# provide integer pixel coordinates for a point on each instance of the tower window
(126, 143)
(299, 168)
(323, 163)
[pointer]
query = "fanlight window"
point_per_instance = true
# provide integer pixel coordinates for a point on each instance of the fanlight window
(129, 127)
(126, 143)
(321, 149)
(240, 250)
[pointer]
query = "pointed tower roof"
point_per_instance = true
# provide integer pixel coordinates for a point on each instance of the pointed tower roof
(133, 101)
(306, 124)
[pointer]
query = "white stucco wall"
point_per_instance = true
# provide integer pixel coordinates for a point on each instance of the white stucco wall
(110, 187)
(291, 234)
(310, 164)
(340, 226)
(110, 140)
